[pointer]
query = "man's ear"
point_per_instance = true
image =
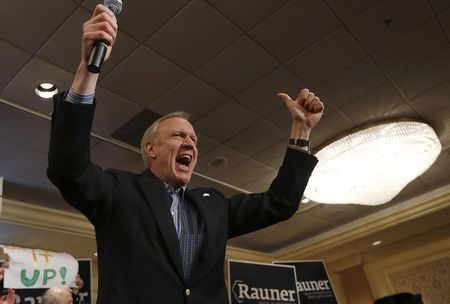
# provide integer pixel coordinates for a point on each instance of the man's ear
(149, 149)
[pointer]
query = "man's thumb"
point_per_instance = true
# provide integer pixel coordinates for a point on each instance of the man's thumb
(284, 97)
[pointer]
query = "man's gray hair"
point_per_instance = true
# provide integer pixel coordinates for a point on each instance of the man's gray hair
(53, 295)
(152, 131)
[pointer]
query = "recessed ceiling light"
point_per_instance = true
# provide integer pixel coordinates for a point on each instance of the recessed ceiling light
(218, 162)
(376, 243)
(46, 90)
(387, 22)
(305, 200)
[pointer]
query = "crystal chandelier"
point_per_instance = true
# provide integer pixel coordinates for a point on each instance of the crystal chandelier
(372, 165)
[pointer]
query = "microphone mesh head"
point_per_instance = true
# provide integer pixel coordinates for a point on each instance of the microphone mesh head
(114, 5)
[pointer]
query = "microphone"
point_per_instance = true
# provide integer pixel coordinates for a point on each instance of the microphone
(99, 48)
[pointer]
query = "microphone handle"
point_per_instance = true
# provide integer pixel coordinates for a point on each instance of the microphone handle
(96, 57)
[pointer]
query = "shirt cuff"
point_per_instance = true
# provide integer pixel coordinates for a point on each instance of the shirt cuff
(301, 149)
(80, 99)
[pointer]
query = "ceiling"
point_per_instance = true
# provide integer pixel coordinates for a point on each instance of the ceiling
(224, 61)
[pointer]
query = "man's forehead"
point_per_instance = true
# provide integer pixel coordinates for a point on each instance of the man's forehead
(176, 123)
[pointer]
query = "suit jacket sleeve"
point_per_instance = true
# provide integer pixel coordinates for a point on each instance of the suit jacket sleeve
(250, 212)
(84, 185)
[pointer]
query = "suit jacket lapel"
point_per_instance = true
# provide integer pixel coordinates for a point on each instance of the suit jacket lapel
(156, 198)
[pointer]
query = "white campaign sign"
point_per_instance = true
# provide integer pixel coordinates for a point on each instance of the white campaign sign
(36, 268)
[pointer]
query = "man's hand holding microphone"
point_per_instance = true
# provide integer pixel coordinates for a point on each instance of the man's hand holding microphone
(99, 35)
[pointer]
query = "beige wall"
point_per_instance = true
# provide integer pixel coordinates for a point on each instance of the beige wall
(355, 287)
(418, 265)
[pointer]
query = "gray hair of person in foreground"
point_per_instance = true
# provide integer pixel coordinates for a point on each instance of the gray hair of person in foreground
(57, 295)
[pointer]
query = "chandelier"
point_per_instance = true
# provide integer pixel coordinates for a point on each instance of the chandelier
(372, 165)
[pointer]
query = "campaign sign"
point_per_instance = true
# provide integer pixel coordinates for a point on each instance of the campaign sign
(313, 284)
(34, 296)
(258, 283)
(36, 268)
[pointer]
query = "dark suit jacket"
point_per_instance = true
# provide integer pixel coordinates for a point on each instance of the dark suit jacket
(138, 252)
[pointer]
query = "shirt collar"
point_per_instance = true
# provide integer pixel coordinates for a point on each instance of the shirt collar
(180, 190)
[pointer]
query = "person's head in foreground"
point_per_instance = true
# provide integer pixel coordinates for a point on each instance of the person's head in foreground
(57, 295)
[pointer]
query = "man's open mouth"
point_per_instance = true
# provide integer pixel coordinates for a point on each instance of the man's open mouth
(184, 159)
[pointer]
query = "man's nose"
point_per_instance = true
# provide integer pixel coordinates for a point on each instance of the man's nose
(188, 142)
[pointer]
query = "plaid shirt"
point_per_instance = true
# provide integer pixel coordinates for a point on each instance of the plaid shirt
(188, 227)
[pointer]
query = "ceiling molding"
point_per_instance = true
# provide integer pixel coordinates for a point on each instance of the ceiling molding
(348, 262)
(408, 210)
(45, 218)
(235, 253)
(76, 224)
